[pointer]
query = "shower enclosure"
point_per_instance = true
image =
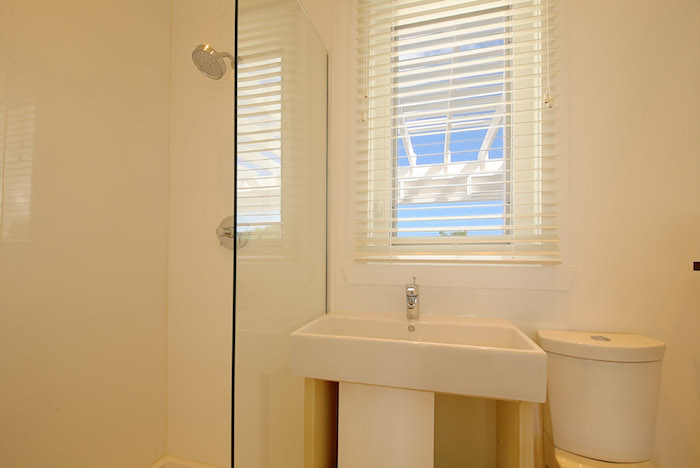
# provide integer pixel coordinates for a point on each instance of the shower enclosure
(117, 165)
(281, 223)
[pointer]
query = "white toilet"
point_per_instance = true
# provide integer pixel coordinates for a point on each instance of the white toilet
(602, 393)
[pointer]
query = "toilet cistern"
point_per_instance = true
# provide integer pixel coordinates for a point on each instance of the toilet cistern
(412, 311)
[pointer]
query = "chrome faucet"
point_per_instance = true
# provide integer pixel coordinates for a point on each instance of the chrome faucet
(412, 311)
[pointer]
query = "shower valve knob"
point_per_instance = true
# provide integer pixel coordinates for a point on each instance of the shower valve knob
(225, 232)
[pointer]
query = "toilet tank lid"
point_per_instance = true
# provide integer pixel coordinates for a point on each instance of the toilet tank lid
(599, 346)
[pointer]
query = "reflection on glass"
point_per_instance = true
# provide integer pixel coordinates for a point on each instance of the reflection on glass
(281, 201)
(259, 168)
(17, 117)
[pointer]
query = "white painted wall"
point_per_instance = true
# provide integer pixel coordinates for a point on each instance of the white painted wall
(320, 13)
(200, 273)
(84, 105)
(630, 73)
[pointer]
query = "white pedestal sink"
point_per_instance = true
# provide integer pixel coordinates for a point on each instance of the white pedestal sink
(386, 366)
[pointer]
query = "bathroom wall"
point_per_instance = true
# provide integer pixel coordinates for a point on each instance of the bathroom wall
(84, 105)
(200, 272)
(320, 13)
(630, 74)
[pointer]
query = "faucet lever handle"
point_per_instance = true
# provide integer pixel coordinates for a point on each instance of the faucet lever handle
(412, 290)
(412, 301)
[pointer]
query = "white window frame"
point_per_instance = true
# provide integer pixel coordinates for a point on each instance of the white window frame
(379, 159)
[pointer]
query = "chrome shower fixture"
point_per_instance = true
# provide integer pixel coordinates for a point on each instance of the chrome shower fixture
(210, 62)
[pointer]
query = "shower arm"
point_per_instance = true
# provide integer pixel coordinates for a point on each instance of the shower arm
(230, 57)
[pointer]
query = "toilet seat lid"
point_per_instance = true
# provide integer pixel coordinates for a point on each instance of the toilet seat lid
(599, 346)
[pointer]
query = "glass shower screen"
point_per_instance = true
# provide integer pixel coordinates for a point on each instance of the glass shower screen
(281, 223)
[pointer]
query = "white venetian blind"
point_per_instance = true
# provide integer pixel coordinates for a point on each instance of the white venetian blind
(456, 152)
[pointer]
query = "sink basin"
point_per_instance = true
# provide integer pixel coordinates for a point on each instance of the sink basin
(481, 357)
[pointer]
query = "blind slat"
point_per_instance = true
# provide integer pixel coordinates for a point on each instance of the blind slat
(502, 227)
(459, 195)
(458, 218)
(490, 205)
(442, 122)
(438, 87)
(465, 240)
(428, 10)
(494, 14)
(490, 32)
(457, 259)
(396, 159)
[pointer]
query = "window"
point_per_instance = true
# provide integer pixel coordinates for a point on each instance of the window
(456, 159)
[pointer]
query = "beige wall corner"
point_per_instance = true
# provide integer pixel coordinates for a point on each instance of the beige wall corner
(320, 12)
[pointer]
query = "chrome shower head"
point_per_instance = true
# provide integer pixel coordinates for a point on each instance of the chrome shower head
(210, 62)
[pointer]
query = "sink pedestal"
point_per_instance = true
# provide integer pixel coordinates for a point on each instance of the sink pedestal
(380, 427)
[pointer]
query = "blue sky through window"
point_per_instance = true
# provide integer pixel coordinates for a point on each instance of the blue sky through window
(449, 210)
(462, 121)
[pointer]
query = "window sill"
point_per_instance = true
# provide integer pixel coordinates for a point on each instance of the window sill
(525, 277)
